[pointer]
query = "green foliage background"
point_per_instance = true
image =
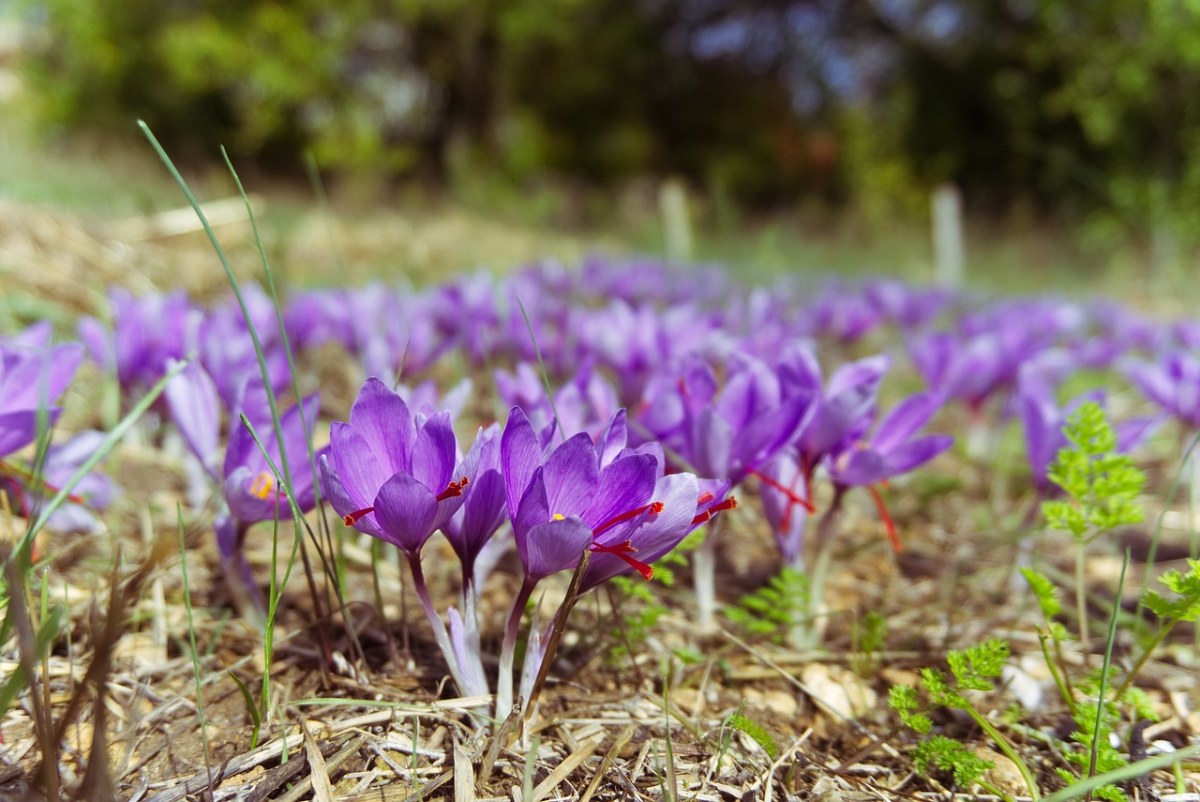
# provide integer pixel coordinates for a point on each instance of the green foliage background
(1086, 111)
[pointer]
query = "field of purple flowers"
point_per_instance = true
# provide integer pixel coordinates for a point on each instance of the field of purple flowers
(609, 530)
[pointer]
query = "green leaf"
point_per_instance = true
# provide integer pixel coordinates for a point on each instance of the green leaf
(1045, 591)
(946, 754)
(903, 699)
(1184, 602)
(976, 667)
(756, 732)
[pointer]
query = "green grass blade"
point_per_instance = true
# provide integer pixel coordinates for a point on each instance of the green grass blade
(1123, 774)
(1106, 668)
(545, 375)
(110, 440)
(187, 605)
(334, 572)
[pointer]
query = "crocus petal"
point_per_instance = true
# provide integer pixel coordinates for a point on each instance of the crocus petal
(860, 467)
(533, 508)
(383, 420)
(334, 491)
(553, 546)
(766, 434)
(406, 511)
(571, 475)
(356, 465)
(19, 429)
(1132, 433)
(483, 511)
(520, 456)
(657, 533)
(917, 452)
(98, 339)
(904, 420)
(614, 439)
(433, 453)
(192, 399)
(623, 485)
(712, 443)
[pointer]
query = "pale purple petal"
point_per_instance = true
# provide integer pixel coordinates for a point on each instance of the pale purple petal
(192, 399)
(520, 456)
(571, 475)
(553, 546)
(356, 465)
(905, 419)
(406, 511)
(433, 453)
(384, 422)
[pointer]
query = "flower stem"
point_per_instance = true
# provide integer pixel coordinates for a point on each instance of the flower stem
(504, 680)
(435, 620)
(809, 632)
(704, 573)
(1081, 600)
(1008, 750)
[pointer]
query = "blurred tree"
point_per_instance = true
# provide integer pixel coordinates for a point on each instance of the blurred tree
(1087, 108)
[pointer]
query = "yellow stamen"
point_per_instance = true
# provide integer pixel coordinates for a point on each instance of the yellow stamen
(263, 485)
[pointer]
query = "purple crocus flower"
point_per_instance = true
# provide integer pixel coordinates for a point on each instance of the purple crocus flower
(483, 508)
(893, 449)
(93, 493)
(247, 479)
(33, 374)
(1172, 382)
(583, 496)
(726, 432)
(146, 333)
(226, 349)
(391, 475)
(559, 504)
(843, 407)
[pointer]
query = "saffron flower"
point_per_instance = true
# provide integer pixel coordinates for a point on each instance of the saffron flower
(392, 475)
(1172, 382)
(250, 488)
(146, 333)
(585, 496)
(388, 474)
(33, 374)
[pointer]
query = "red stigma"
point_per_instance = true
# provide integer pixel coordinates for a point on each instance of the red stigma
(36, 483)
(727, 504)
(889, 525)
(624, 550)
(356, 516)
(453, 489)
(705, 497)
(654, 507)
(791, 494)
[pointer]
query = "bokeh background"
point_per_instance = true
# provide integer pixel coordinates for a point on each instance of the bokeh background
(802, 132)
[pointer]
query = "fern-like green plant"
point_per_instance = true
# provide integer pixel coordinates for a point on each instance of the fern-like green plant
(776, 608)
(757, 732)
(1102, 488)
(976, 668)
(1180, 603)
(645, 609)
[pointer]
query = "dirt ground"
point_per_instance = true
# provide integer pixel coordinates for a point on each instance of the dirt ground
(360, 704)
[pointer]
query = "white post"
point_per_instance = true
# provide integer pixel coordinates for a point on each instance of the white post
(676, 220)
(949, 250)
